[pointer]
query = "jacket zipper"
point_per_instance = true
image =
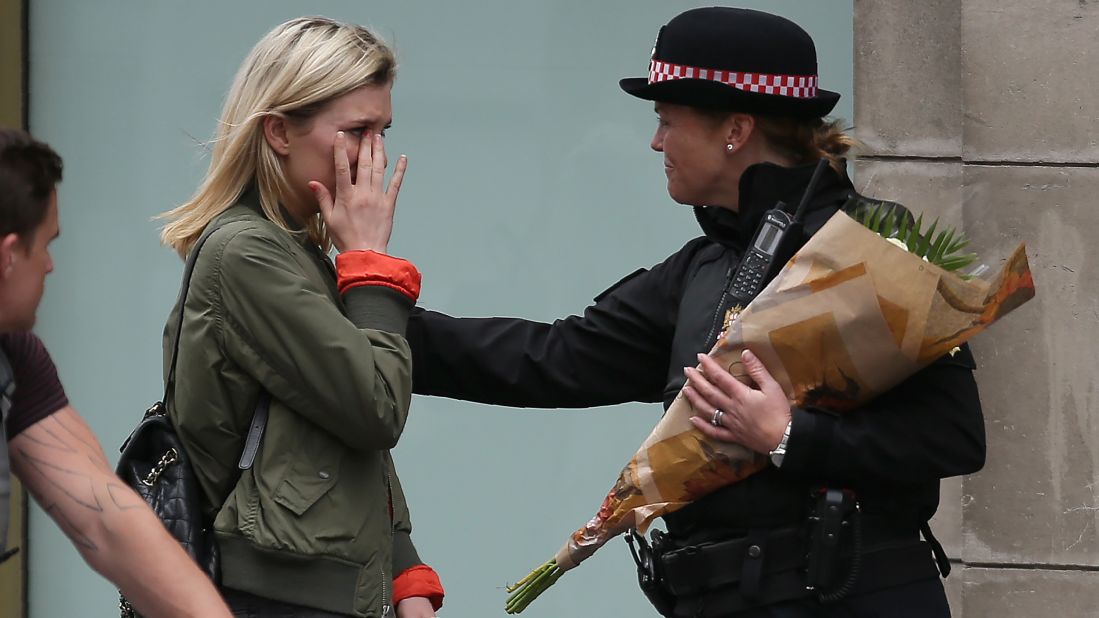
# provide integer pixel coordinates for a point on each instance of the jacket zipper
(389, 508)
(718, 311)
(385, 605)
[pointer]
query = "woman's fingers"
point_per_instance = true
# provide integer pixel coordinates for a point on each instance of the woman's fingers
(758, 371)
(721, 434)
(366, 147)
(711, 397)
(700, 404)
(343, 166)
(753, 418)
(324, 198)
(377, 162)
(719, 377)
(397, 178)
(360, 212)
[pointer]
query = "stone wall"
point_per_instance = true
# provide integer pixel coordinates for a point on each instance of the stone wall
(986, 112)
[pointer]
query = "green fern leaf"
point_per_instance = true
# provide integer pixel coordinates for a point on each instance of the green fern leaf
(875, 218)
(942, 248)
(913, 239)
(936, 252)
(961, 243)
(925, 240)
(889, 224)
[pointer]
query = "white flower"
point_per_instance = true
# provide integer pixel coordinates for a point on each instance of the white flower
(900, 243)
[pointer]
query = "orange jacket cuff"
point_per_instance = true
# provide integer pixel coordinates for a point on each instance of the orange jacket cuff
(357, 268)
(418, 581)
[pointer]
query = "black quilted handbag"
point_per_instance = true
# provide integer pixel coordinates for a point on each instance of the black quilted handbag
(155, 464)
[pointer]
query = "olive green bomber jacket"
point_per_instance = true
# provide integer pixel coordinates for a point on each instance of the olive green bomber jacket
(320, 519)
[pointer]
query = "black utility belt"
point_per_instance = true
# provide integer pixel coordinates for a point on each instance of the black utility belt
(695, 569)
(698, 569)
(833, 555)
(827, 558)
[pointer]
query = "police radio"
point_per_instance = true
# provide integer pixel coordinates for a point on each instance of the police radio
(773, 244)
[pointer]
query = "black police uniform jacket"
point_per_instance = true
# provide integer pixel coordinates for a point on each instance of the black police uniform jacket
(632, 345)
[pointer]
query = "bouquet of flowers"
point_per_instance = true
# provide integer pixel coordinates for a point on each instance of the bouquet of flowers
(862, 306)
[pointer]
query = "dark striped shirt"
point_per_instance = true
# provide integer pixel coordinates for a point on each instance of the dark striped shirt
(38, 390)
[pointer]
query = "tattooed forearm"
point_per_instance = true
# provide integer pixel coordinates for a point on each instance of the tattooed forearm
(100, 464)
(66, 471)
(56, 438)
(94, 450)
(50, 441)
(124, 497)
(81, 436)
(70, 530)
(76, 484)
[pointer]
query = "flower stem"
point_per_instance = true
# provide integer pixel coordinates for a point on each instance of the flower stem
(532, 586)
(525, 580)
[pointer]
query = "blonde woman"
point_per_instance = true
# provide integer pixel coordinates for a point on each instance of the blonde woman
(318, 525)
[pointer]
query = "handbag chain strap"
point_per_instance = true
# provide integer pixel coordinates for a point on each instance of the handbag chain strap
(166, 460)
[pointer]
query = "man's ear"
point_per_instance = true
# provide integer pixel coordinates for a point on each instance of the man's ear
(10, 251)
(274, 131)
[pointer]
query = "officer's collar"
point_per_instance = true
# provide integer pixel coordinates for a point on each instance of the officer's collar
(762, 186)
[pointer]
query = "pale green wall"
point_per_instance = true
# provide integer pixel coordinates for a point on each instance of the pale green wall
(530, 188)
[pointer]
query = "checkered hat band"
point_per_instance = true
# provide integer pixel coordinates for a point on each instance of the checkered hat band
(797, 86)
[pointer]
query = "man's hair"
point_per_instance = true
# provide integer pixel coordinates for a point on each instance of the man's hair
(29, 172)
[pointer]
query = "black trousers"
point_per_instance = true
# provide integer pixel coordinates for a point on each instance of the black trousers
(920, 599)
(244, 605)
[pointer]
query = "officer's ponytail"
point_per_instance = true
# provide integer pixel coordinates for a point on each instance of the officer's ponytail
(807, 140)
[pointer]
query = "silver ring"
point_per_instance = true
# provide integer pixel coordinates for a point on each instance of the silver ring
(716, 420)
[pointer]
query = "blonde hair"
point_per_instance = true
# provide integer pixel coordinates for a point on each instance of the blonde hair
(293, 72)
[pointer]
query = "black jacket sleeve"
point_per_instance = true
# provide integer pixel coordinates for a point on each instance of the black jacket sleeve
(617, 351)
(928, 427)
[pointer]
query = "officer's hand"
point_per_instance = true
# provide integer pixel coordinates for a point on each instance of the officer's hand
(754, 417)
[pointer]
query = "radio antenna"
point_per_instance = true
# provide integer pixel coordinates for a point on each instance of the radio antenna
(823, 163)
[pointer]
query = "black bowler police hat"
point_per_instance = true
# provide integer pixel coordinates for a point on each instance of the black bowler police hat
(736, 59)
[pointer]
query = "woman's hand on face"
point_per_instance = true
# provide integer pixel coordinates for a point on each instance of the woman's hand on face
(360, 217)
(752, 417)
(415, 607)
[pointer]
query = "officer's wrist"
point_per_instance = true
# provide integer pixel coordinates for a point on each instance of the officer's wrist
(778, 453)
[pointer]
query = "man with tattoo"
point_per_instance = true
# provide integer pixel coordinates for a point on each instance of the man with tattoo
(49, 446)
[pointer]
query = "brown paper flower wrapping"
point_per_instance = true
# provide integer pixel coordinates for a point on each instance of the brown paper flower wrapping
(848, 318)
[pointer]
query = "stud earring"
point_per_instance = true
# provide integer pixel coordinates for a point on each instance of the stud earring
(730, 147)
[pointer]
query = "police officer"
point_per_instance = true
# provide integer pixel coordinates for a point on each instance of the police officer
(833, 526)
